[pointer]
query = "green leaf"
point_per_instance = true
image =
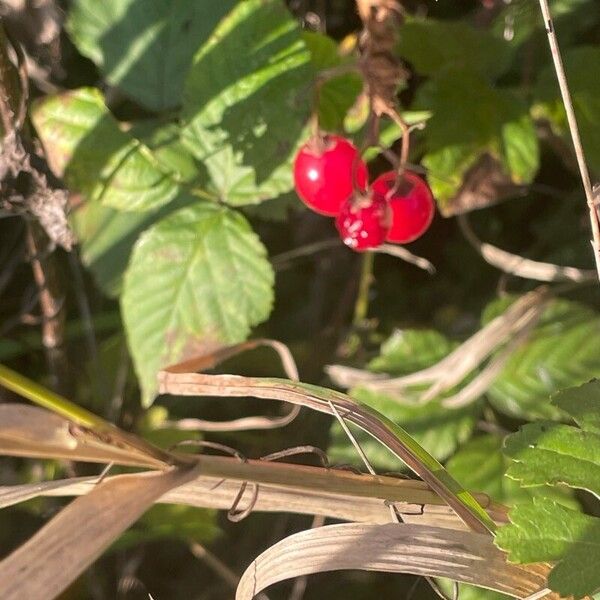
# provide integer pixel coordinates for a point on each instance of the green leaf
(468, 592)
(173, 521)
(144, 47)
(481, 466)
(521, 149)
(585, 90)
(484, 121)
(430, 46)
(338, 94)
(440, 430)
(542, 530)
(246, 101)
(409, 350)
(106, 238)
(196, 279)
(99, 160)
(546, 453)
(562, 351)
(583, 404)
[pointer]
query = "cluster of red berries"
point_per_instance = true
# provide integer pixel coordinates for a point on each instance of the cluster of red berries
(331, 179)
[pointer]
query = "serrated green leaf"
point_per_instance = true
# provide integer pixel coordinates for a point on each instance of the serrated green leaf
(583, 404)
(542, 530)
(144, 47)
(440, 430)
(585, 90)
(106, 237)
(430, 46)
(83, 139)
(196, 279)
(562, 351)
(246, 102)
(551, 453)
(481, 466)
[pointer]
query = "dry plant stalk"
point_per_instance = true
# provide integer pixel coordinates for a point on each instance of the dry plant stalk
(591, 197)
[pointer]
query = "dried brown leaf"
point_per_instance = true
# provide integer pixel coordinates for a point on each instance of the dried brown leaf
(463, 556)
(57, 554)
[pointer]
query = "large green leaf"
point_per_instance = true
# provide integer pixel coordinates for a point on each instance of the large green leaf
(144, 47)
(543, 530)
(430, 46)
(246, 101)
(481, 466)
(83, 139)
(563, 350)
(585, 90)
(106, 237)
(196, 279)
(440, 430)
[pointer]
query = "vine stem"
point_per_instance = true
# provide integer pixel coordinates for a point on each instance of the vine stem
(574, 128)
(361, 307)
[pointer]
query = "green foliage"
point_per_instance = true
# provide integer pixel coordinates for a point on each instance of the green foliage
(337, 94)
(546, 453)
(100, 160)
(585, 89)
(440, 430)
(431, 46)
(174, 521)
(246, 101)
(197, 279)
(543, 530)
(480, 466)
(144, 47)
(562, 351)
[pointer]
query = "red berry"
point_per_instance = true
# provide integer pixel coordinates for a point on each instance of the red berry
(364, 221)
(323, 173)
(412, 205)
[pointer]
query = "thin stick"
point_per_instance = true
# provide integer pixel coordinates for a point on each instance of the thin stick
(574, 128)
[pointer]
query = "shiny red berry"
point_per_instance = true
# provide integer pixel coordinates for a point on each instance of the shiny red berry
(324, 171)
(364, 221)
(411, 204)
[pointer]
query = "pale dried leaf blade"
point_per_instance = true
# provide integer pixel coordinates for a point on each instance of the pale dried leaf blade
(37, 433)
(393, 548)
(55, 556)
(174, 380)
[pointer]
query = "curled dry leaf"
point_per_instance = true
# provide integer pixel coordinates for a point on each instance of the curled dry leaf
(520, 266)
(516, 321)
(57, 554)
(463, 556)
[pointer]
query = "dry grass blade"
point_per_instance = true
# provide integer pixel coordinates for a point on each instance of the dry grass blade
(289, 488)
(37, 433)
(403, 254)
(57, 554)
(246, 423)
(458, 364)
(521, 266)
(181, 380)
(463, 556)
